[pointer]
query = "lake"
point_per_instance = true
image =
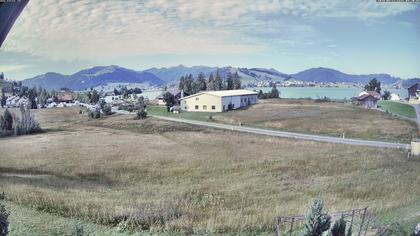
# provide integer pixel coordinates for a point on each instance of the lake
(302, 92)
(316, 92)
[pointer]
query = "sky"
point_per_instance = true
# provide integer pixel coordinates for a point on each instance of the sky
(356, 37)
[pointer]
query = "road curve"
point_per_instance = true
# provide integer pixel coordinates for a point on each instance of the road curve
(284, 134)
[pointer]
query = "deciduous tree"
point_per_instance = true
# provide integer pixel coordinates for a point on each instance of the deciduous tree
(373, 85)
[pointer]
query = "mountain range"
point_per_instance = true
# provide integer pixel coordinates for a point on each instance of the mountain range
(93, 77)
(155, 77)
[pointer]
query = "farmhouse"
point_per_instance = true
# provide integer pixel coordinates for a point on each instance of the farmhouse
(414, 93)
(65, 96)
(218, 101)
(369, 99)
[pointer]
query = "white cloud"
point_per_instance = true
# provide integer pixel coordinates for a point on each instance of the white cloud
(13, 67)
(67, 29)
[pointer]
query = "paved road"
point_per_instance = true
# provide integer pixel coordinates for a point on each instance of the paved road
(417, 108)
(283, 134)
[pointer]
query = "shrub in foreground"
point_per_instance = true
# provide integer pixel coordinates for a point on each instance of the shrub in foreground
(4, 222)
(316, 222)
(141, 114)
(24, 123)
(94, 113)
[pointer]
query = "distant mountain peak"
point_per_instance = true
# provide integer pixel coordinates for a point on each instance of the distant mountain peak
(93, 77)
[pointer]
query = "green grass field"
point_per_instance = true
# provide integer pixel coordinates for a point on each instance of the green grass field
(397, 108)
(161, 111)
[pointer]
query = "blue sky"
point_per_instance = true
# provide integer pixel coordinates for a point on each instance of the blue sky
(358, 36)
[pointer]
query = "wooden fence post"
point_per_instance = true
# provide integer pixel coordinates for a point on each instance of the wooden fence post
(278, 227)
(291, 227)
(363, 220)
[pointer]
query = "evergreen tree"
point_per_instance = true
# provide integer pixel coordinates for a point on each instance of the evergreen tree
(201, 82)
(94, 98)
(218, 82)
(316, 222)
(195, 87)
(210, 83)
(260, 94)
(12, 89)
(229, 82)
(3, 98)
(236, 81)
(181, 84)
(32, 94)
(373, 85)
(188, 84)
(274, 92)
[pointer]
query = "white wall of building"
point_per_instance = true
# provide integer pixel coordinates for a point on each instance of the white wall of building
(211, 103)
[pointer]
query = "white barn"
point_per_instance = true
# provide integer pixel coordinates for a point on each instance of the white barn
(218, 101)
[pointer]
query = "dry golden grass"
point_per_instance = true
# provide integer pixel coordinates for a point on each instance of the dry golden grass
(192, 180)
(329, 118)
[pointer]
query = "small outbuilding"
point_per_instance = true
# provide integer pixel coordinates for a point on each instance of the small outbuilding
(65, 96)
(369, 99)
(218, 101)
(414, 93)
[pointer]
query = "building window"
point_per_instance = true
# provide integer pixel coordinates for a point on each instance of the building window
(197, 98)
(213, 107)
(196, 107)
(224, 108)
(185, 108)
(204, 107)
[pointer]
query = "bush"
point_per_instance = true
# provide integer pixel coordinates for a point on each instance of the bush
(23, 124)
(26, 123)
(94, 114)
(7, 122)
(141, 114)
(107, 110)
(4, 221)
(324, 99)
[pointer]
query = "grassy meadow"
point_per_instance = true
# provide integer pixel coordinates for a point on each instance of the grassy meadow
(326, 118)
(118, 175)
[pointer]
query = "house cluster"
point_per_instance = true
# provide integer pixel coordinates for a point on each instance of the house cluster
(16, 101)
(64, 99)
(113, 99)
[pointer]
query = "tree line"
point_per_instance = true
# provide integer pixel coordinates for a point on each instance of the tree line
(215, 82)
